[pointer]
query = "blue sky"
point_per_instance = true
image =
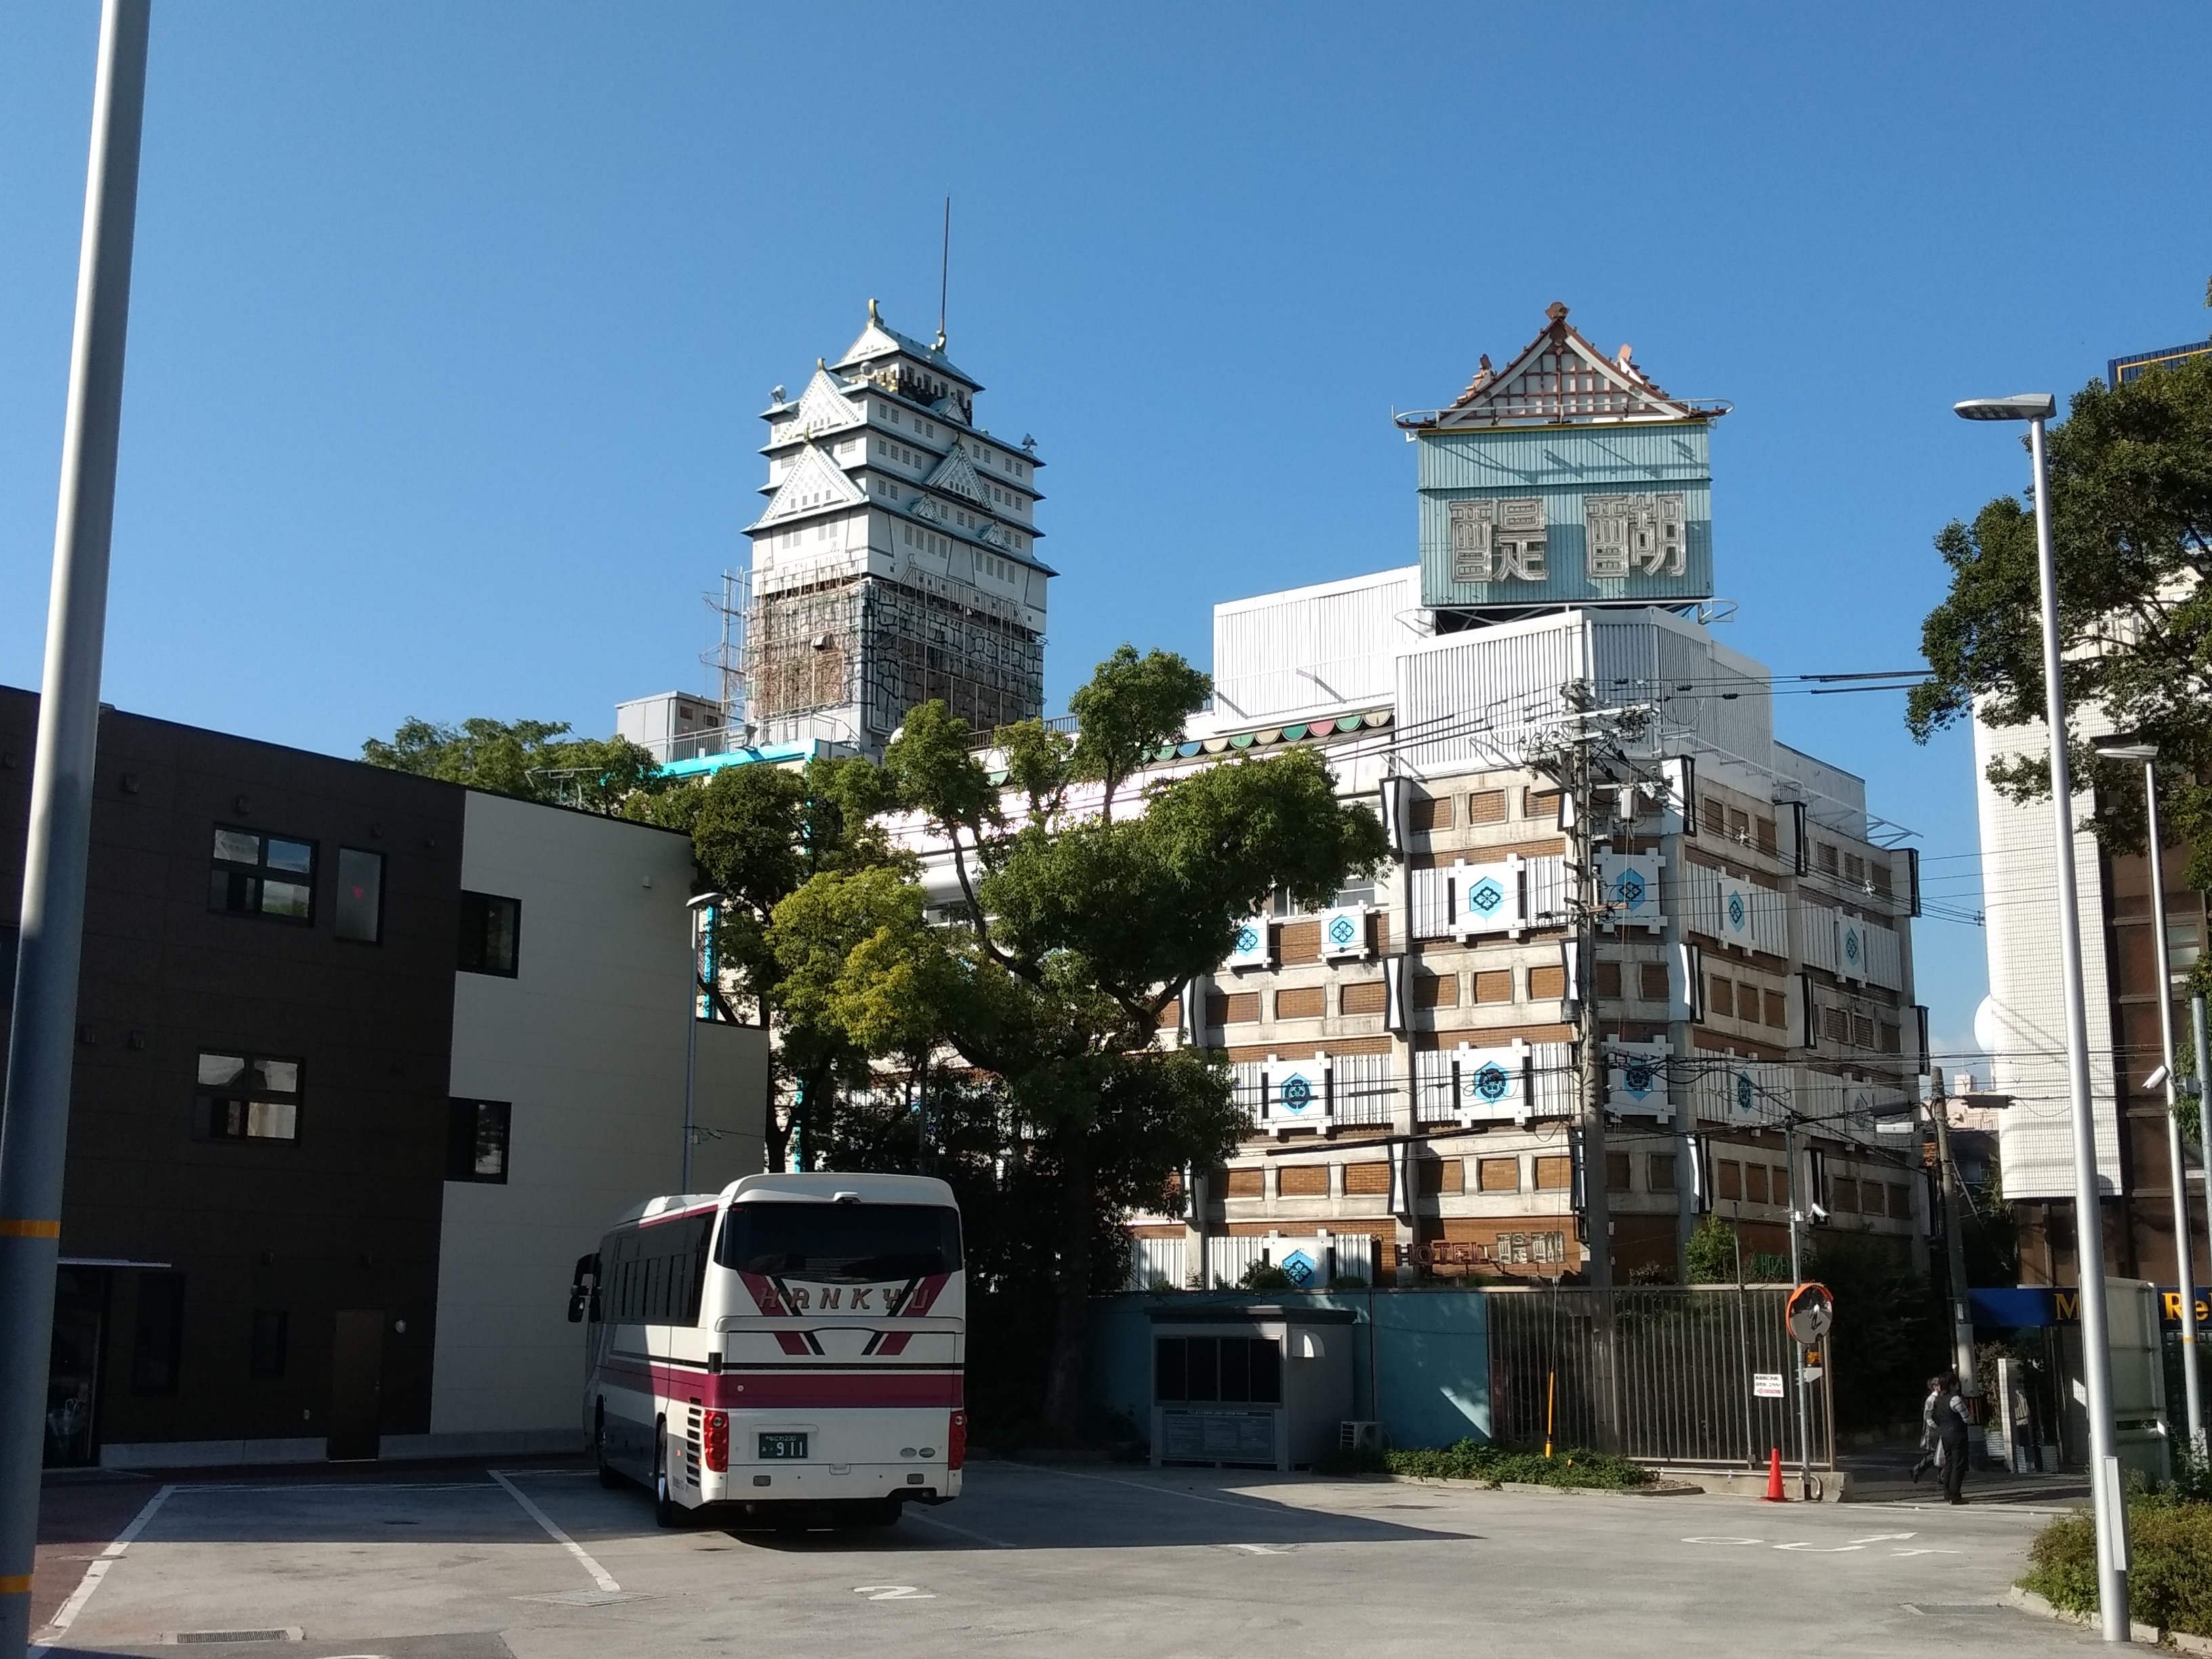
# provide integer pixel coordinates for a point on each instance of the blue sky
(451, 322)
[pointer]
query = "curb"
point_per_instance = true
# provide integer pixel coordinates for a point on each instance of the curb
(2028, 1602)
(1663, 1489)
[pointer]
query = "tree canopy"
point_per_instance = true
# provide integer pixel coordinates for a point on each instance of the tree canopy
(1077, 930)
(2131, 537)
(531, 760)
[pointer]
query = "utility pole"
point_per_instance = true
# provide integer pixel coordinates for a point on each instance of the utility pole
(1955, 1248)
(1797, 1277)
(34, 1123)
(1570, 768)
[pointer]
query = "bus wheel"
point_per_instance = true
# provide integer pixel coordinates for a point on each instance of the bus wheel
(664, 1510)
(608, 1478)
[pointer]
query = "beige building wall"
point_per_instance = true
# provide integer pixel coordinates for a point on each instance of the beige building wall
(587, 1043)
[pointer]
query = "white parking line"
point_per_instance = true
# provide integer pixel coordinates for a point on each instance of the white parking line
(66, 1615)
(601, 1575)
(979, 1537)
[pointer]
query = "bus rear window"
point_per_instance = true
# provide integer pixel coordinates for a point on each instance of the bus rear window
(841, 1244)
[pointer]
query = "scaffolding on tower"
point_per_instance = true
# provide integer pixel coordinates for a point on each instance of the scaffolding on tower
(882, 647)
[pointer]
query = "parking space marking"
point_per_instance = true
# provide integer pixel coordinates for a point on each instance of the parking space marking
(65, 1615)
(964, 1532)
(1142, 1485)
(601, 1575)
(893, 1592)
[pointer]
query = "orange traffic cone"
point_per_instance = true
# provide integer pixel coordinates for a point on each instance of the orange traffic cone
(1774, 1477)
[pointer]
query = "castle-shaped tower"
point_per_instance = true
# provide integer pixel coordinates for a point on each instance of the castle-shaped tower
(897, 561)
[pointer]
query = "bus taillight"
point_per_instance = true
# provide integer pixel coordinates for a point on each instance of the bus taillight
(715, 1442)
(956, 1440)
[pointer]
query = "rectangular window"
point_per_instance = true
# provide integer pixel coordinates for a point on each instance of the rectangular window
(1249, 1184)
(158, 1343)
(1366, 996)
(1487, 806)
(1777, 1011)
(1231, 1370)
(359, 914)
(266, 1356)
(1301, 1002)
(247, 1097)
(1755, 1182)
(477, 1139)
(1730, 1181)
(1662, 1172)
(1554, 1175)
(1498, 1174)
(1651, 982)
(1546, 983)
(1492, 984)
(1720, 997)
(1433, 813)
(1616, 1172)
(1779, 1186)
(252, 874)
(491, 934)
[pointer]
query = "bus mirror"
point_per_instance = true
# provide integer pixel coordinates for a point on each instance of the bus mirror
(576, 1302)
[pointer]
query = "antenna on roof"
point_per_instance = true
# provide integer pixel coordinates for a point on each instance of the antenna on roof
(945, 270)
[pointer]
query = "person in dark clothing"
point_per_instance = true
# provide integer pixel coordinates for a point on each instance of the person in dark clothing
(1929, 1443)
(1951, 1429)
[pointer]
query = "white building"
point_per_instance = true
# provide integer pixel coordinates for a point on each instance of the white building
(896, 560)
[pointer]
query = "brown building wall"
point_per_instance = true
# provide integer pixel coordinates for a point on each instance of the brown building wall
(346, 1216)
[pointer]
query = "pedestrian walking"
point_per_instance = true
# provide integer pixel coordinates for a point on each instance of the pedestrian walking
(1949, 1417)
(1930, 1445)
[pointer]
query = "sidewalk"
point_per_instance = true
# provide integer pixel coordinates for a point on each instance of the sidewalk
(1884, 1475)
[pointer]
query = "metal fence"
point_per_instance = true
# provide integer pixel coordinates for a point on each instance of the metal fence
(1689, 1365)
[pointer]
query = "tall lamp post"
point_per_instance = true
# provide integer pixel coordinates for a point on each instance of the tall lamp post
(2184, 1251)
(696, 910)
(2035, 407)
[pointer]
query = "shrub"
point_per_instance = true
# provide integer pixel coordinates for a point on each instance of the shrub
(1477, 1459)
(2171, 1582)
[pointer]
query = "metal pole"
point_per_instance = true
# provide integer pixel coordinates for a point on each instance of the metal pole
(34, 1125)
(1597, 1203)
(690, 1037)
(1955, 1253)
(2185, 1269)
(1796, 1277)
(2088, 1212)
(2196, 1041)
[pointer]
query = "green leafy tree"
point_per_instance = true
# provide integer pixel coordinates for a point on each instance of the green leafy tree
(1079, 930)
(759, 834)
(2131, 537)
(1710, 1252)
(531, 760)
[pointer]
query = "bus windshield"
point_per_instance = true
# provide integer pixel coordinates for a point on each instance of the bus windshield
(841, 1244)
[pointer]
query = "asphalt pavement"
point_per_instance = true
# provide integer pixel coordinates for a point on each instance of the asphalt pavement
(1069, 1562)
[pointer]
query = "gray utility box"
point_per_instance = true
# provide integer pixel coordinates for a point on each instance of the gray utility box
(1262, 1388)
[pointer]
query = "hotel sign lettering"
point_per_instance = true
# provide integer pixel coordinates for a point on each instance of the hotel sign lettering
(1506, 538)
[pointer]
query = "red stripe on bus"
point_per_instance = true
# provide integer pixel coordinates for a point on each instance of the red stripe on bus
(791, 1390)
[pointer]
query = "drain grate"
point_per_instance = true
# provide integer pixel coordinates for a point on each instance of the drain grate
(196, 1637)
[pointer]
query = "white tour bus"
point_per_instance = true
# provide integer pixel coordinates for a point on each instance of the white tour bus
(791, 1344)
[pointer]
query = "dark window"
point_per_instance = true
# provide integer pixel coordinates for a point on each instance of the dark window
(1244, 1370)
(658, 1271)
(258, 875)
(247, 1097)
(841, 1244)
(476, 1139)
(160, 1333)
(491, 933)
(269, 1326)
(359, 914)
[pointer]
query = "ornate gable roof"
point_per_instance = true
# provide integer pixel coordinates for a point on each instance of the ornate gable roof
(956, 474)
(1560, 377)
(879, 340)
(823, 407)
(814, 481)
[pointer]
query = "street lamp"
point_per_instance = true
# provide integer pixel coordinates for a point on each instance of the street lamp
(2035, 407)
(2185, 1275)
(695, 909)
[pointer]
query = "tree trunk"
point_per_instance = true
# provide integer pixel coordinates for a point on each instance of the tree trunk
(1063, 1398)
(777, 1129)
